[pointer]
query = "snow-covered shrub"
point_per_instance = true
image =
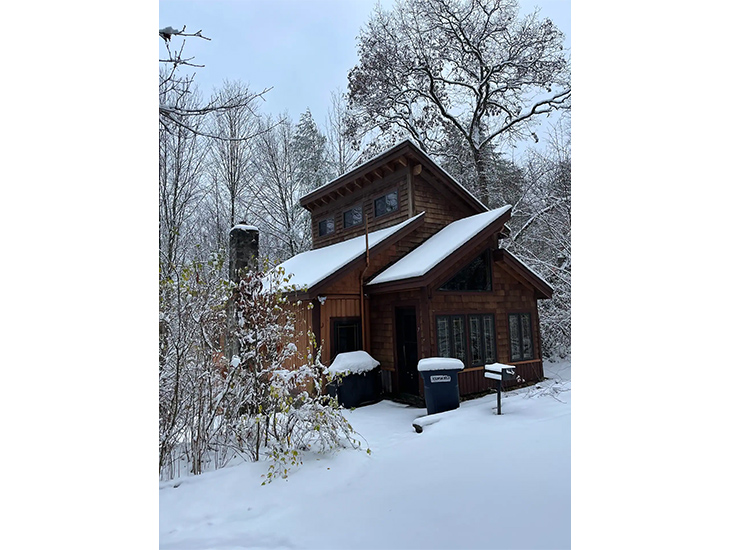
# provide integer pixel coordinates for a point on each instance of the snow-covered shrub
(192, 323)
(276, 404)
(269, 401)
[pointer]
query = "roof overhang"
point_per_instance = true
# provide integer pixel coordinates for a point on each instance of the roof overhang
(402, 155)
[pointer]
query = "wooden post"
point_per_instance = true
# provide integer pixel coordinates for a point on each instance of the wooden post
(499, 397)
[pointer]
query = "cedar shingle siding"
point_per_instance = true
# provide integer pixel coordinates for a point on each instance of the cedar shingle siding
(421, 186)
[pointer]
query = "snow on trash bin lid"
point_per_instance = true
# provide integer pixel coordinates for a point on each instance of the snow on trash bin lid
(350, 362)
(439, 363)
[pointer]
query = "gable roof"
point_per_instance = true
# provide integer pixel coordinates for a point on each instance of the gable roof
(520, 268)
(314, 269)
(441, 246)
(398, 154)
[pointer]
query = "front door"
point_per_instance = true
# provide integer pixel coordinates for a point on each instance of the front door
(406, 341)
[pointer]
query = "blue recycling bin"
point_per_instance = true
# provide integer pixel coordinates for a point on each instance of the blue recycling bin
(440, 383)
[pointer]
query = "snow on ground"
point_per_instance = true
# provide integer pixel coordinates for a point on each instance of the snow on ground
(472, 480)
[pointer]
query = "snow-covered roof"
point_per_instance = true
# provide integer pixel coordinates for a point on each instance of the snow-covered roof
(439, 247)
(353, 362)
(309, 268)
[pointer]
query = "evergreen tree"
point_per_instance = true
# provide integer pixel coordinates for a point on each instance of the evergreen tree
(309, 155)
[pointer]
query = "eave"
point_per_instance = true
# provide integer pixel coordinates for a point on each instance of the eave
(399, 156)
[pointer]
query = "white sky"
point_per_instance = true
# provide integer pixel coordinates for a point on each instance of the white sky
(80, 341)
(303, 49)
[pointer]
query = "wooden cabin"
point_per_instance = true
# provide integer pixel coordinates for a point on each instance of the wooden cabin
(406, 264)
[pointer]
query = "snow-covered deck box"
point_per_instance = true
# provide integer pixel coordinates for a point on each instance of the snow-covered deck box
(356, 379)
(406, 264)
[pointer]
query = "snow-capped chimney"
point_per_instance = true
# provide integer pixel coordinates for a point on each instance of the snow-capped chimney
(244, 249)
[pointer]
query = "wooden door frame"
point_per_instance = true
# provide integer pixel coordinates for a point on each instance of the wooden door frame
(403, 304)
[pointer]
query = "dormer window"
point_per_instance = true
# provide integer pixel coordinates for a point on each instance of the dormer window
(326, 227)
(386, 204)
(352, 217)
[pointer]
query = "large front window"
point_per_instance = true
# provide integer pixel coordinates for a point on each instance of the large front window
(520, 337)
(467, 337)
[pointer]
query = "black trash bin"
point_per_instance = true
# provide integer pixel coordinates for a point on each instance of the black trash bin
(354, 390)
(440, 383)
(357, 379)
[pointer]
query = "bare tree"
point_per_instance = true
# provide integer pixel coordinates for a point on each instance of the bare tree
(181, 168)
(174, 83)
(232, 148)
(343, 152)
(283, 223)
(472, 66)
(541, 233)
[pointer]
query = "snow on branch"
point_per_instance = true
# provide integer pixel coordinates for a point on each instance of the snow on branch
(168, 32)
(540, 107)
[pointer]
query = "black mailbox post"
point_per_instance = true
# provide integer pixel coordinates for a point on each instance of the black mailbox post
(500, 373)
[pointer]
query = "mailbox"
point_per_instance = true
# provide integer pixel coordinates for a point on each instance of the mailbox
(500, 373)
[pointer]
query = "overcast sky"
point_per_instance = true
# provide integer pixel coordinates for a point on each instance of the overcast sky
(302, 49)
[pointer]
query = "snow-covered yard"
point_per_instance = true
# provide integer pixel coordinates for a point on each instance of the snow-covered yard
(471, 480)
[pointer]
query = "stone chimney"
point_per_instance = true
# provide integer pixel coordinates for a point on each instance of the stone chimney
(243, 253)
(244, 249)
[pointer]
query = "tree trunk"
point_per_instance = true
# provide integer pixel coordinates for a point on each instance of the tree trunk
(481, 162)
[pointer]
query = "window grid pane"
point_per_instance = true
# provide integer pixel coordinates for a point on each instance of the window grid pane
(475, 339)
(386, 203)
(444, 348)
(514, 337)
(489, 348)
(352, 217)
(326, 227)
(526, 336)
(457, 324)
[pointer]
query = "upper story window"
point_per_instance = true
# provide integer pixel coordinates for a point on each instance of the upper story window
(387, 203)
(352, 217)
(326, 227)
(476, 276)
